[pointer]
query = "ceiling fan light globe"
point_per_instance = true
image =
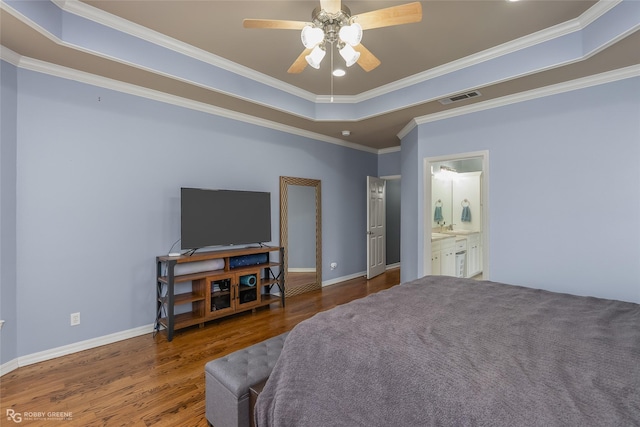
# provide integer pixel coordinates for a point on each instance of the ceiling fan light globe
(351, 34)
(349, 54)
(315, 57)
(311, 36)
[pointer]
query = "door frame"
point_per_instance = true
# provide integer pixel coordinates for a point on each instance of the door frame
(426, 211)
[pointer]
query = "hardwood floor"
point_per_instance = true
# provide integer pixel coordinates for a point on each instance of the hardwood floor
(298, 279)
(147, 381)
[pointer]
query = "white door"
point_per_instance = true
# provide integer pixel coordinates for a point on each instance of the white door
(376, 228)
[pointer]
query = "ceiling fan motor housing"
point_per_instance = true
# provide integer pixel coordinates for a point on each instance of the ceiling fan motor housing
(331, 23)
(340, 28)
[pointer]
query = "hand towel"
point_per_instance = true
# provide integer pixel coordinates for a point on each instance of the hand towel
(437, 215)
(466, 214)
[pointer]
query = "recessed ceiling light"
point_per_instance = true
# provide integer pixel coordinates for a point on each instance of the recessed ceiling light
(346, 132)
(338, 72)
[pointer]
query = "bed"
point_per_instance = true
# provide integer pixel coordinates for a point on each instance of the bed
(447, 351)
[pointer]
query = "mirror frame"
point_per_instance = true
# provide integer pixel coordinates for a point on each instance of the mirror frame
(285, 181)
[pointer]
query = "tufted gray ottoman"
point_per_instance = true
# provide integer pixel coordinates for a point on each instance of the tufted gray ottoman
(228, 380)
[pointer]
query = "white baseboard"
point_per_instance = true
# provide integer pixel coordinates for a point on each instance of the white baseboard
(53, 353)
(11, 365)
(355, 275)
(343, 278)
(302, 270)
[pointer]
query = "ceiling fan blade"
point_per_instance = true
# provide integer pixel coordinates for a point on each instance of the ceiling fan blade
(299, 64)
(367, 60)
(330, 6)
(396, 15)
(273, 24)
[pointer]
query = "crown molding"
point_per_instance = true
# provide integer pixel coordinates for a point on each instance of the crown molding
(389, 150)
(119, 24)
(9, 56)
(99, 16)
(335, 99)
(25, 19)
(94, 80)
(582, 83)
(112, 21)
(596, 11)
(87, 78)
(60, 42)
(542, 36)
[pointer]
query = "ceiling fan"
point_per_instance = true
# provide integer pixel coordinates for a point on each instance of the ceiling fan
(333, 23)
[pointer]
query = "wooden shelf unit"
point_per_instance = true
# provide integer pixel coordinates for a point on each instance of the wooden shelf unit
(216, 293)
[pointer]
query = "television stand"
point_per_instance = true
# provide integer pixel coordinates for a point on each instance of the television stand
(215, 294)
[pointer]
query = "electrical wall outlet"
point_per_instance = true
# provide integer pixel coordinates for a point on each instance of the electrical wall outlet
(75, 319)
(334, 265)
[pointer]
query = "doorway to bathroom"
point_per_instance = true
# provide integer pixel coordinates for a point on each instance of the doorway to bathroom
(456, 203)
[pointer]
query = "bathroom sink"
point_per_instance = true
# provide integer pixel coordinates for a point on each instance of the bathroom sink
(437, 236)
(461, 232)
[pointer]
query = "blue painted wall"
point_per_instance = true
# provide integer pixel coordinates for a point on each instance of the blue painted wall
(8, 242)
(564, 183)
(410, 243)
(98, 182)
(90, 195)
(389, 164)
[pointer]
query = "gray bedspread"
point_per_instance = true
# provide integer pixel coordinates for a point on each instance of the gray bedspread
(442, 351)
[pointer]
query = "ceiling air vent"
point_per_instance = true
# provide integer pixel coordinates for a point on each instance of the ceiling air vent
(459, 97)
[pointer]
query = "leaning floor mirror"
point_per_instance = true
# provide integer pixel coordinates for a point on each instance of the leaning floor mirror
(301, 234)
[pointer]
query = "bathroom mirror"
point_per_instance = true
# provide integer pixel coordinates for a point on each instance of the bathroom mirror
(301, 234)
(441, 201)
(455, 185)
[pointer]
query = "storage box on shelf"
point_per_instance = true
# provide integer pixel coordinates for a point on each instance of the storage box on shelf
(243, 283)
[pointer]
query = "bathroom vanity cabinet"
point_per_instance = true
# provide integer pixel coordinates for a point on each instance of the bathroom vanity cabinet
(443, 256)
(445, 246)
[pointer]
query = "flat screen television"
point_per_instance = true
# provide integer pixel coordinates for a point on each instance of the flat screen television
(224, 217)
